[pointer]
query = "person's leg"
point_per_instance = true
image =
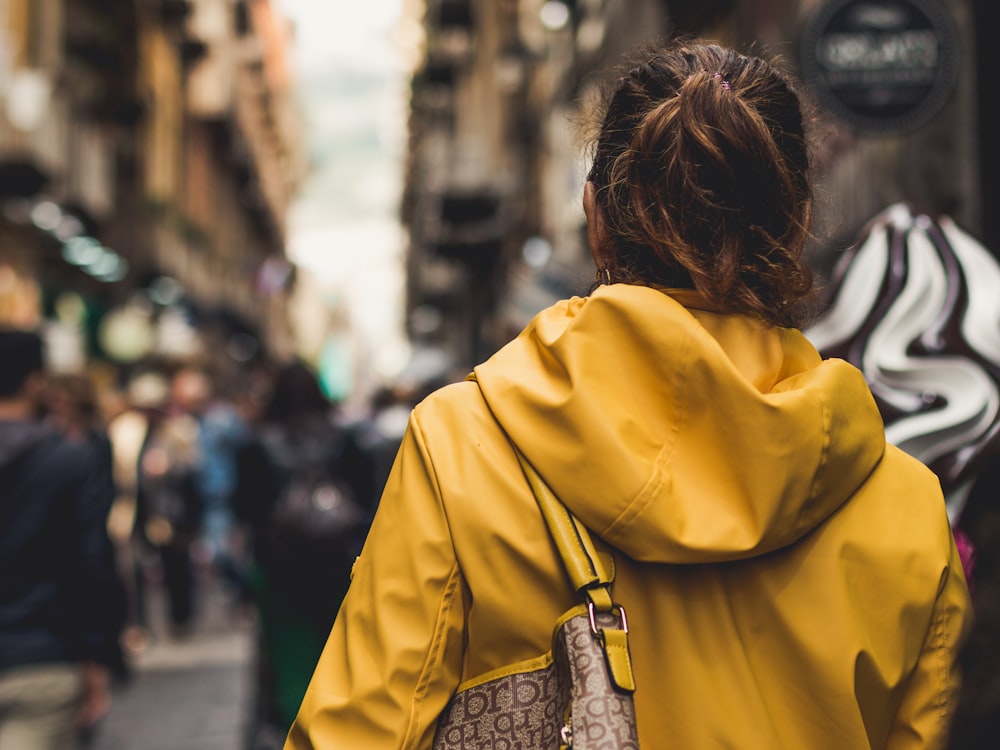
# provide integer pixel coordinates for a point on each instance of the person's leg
(221, 540)
(138, 559)
(178, 579)
(294, 650)
(38, 707)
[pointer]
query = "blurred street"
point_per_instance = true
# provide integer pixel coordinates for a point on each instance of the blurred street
(192, 692)
(229, 219)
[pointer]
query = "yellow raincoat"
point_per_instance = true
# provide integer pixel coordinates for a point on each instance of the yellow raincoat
(791, 581)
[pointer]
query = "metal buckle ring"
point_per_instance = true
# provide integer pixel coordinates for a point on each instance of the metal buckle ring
(593, 617)
(566, 736)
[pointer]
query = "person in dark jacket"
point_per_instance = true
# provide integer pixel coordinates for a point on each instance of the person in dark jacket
(70, 404)
(60, 597)
(304, 491)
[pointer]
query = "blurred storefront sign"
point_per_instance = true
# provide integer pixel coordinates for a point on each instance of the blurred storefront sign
(274, 276)
(157, 320)
(881, 65)
(70, 228)
(29, 95)
(176, 336)
(126, 334)
(65, 347)
(20, 298)
(336, 367)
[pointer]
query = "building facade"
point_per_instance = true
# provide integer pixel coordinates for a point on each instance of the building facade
(502, 108)
(149, 152)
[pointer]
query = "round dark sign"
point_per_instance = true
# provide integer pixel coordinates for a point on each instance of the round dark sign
(881, 65)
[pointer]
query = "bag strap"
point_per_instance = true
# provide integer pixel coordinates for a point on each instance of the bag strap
(587, 573)
(583, 564)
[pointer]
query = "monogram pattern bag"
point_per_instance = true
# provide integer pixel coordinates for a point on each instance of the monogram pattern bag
(577, 696)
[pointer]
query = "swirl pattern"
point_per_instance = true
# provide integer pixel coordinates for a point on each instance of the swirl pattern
(915, 308)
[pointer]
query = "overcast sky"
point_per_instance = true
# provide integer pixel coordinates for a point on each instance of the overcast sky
(344, 227)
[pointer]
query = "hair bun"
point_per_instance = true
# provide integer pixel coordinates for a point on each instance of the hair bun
(701, 171)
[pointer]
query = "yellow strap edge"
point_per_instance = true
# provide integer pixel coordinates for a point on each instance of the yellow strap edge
(576, 548)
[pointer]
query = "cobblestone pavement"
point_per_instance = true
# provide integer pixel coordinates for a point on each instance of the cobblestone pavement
(189, 693)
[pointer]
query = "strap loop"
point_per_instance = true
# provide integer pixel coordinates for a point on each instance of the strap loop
(588, 574)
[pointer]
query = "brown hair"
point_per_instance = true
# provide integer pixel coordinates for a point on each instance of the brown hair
(701, 171)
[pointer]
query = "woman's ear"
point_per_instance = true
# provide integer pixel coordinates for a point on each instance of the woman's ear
(597, 233)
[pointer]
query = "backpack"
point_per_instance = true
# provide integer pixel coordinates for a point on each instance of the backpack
(316, 523)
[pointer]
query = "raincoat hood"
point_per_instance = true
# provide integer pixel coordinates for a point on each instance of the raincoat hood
(681, 434)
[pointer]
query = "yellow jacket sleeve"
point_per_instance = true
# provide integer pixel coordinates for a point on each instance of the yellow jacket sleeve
(923, 719)
(394, 656)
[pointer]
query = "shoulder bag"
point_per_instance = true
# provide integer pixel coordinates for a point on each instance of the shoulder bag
(577, 696)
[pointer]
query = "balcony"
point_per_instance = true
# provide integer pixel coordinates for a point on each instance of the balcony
(693, 18)
(433, 88)
(454, 15)
(175, 12)
(33, 131)
(469, 228)
(20, 177)
(468, 208)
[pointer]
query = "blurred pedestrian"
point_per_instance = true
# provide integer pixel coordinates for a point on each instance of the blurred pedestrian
(302, 487)
(791, 580)
(977, 716)
(169, 502)
(222, 431)
(378, 432)
(60, 596)
(70, 403)
(145, 400)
